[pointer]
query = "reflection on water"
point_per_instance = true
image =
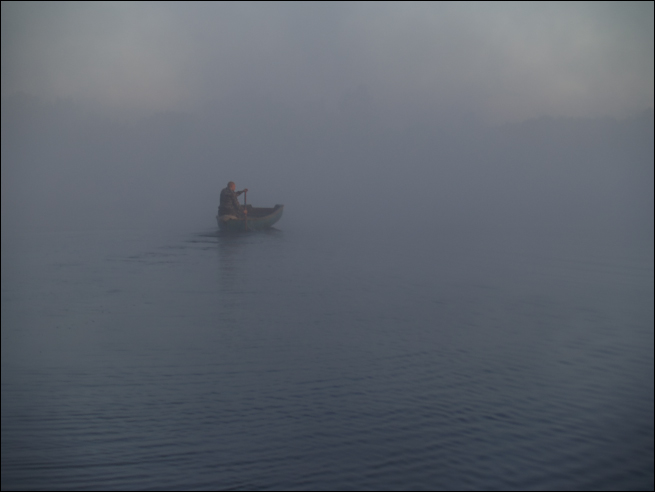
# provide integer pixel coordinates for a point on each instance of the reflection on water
(290, 360)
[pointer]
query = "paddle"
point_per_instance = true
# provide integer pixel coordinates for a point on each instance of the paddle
(245, 209)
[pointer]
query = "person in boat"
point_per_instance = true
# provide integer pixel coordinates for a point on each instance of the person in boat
(229, 204)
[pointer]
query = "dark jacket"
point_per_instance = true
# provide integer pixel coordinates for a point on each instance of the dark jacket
(229, 204)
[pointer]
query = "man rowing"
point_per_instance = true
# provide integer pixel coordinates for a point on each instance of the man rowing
(229, 204)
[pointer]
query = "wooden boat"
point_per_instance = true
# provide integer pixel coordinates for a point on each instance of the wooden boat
(258, 218)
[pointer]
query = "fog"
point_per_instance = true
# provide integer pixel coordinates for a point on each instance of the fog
(459, 294)
(528, 120)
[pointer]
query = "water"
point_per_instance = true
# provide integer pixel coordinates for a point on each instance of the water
(308, 359)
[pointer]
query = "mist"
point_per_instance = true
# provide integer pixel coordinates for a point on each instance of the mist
(357, 167)
(459, 294)
(304, 106)
(338, 148)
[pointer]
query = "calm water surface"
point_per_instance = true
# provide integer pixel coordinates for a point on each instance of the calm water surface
(299, 359)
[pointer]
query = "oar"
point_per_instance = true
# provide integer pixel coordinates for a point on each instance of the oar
(245, 209)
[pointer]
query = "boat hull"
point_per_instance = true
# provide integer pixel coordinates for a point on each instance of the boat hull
(258, 219)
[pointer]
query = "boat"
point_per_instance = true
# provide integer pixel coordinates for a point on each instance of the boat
(258, 218)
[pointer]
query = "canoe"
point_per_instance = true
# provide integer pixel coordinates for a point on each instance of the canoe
(258, 218)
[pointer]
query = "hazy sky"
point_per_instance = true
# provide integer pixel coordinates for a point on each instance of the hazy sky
(327, 107)
(493, 61)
